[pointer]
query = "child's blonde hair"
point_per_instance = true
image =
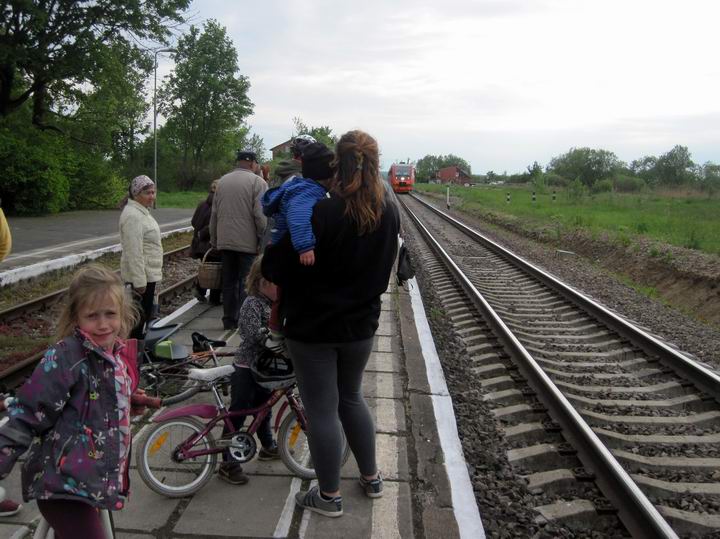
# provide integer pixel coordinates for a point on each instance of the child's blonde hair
(254, 278)
(88, 287)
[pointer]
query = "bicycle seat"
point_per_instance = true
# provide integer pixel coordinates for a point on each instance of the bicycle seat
(201, 343)
(212, 374)
(155, 334)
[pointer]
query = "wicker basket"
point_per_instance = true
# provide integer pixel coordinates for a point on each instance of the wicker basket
(210, 274)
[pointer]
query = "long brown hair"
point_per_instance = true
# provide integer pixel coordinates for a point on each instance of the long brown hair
(88, 287)
(357, 179)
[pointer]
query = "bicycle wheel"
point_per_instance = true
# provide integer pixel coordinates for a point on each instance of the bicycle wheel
(295, 450)
(159, 468)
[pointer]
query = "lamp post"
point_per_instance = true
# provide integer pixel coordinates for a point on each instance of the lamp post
(155, 175)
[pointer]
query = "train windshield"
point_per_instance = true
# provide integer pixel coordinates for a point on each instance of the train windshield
(402, 170)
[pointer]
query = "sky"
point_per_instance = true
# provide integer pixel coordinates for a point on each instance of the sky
(500, 83)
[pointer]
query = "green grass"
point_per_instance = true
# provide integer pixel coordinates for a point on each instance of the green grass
(682, 220)
(180, 199)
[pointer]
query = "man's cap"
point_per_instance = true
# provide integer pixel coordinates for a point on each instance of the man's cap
(246, 154)
(316, 159)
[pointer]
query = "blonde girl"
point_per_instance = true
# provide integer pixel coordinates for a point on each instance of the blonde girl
(73, 413)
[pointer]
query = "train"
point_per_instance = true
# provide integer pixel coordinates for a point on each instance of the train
(401, 177)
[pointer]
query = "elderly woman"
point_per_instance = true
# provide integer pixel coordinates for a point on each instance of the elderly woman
(142, 253)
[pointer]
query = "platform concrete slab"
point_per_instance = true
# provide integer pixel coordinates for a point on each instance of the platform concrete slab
(382, 344)
(145, 509)
(387, 328)
(383, 361)
(386, 517)
(236, 510)
(382, 385)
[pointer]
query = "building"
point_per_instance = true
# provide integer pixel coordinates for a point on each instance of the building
(453, 174)
(281, 149)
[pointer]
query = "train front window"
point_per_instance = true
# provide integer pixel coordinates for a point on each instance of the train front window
(402, 170)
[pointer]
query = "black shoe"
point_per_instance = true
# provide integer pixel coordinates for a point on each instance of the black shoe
(269, 453)
(232, 472)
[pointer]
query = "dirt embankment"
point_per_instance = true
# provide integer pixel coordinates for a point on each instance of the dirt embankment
(683, 278)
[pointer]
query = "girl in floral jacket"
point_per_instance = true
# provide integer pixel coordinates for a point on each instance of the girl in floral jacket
(73, 413)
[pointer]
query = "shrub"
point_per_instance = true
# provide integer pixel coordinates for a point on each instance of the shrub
(629, 184)
(95, 185)
(603, 186)
(36, 167)
(577, 190)
(555, 180)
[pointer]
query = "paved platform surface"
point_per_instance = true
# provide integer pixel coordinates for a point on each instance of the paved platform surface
(418, 496)
(36, 239)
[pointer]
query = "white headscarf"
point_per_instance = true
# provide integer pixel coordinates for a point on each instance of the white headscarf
(139, 183)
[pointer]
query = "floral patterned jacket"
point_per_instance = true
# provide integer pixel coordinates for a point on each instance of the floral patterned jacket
(67, 415)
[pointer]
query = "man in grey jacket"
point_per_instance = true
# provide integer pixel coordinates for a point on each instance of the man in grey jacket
(237, 225)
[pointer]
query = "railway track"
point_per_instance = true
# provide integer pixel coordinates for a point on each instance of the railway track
(588, 402)
(14, 375)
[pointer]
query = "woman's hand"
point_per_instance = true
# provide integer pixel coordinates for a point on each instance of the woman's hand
(307, 258)
(140, 290)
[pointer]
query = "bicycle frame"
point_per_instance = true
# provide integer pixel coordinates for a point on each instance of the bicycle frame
(219, 412)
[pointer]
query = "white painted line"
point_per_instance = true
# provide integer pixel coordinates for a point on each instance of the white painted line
(173, 315)
(385, 513)
(436, 377)
(33, 270)
(306, 516)
(282, 529)
(465, 507)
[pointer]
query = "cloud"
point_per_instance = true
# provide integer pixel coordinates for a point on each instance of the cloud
(501, 83)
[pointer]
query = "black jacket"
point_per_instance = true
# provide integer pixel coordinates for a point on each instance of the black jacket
(338, 298)
(201, 223)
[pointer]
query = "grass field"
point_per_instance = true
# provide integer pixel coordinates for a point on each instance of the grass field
(181, 199)
(690, 221)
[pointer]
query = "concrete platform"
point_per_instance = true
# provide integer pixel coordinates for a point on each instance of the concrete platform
(419, 499)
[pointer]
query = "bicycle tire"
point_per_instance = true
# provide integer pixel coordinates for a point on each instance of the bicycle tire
(156, 475)
(294, 450)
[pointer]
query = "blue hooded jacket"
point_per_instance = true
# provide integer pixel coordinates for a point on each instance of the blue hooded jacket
(292, 205)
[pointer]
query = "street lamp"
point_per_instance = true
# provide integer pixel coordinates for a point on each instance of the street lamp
(155, 174)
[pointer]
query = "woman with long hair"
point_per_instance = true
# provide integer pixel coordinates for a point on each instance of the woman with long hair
(330, 313)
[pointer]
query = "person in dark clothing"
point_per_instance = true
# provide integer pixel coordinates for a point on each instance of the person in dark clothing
(201, 242)
(330, 312)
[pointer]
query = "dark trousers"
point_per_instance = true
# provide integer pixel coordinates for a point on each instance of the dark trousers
(245, 393)
(144, 304)
(70, 519)
(329, 376)
(235, 267)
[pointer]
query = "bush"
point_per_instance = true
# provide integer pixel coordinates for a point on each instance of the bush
(603, 186)
(36, 167)
(95, 185)
(576, 190)
(555, 180)
(628, 184)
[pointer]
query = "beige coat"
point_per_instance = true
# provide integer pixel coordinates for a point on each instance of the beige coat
(237, 222)
(142, 252)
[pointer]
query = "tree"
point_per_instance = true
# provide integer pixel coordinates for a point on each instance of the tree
(321, 133)
(49, 50)
(675, 167)
(586, 164)
(205, 100)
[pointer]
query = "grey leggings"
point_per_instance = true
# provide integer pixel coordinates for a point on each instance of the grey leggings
(330, 376)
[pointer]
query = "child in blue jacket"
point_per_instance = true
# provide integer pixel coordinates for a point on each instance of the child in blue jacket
(291, 205)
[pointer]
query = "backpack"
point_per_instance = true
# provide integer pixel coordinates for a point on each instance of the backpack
(405, 270)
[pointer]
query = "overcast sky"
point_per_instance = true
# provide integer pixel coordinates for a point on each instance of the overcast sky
(501, 83)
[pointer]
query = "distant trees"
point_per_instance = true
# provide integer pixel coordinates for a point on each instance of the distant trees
(585, 164)
(427, 166)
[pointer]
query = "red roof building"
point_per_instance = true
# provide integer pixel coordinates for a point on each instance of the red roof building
(453, 174)
(283, 148)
